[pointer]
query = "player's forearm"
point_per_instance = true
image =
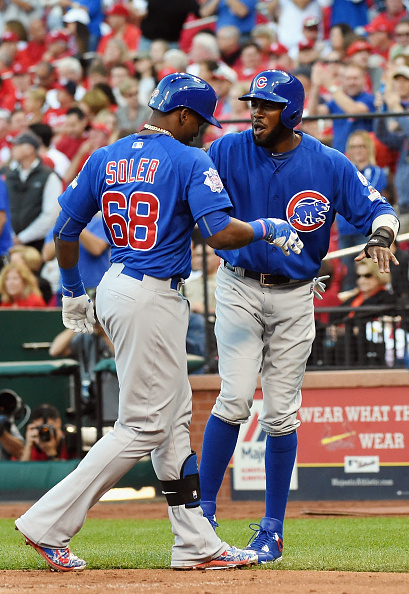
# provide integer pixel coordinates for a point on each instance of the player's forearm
(237, 234)
(67, 252)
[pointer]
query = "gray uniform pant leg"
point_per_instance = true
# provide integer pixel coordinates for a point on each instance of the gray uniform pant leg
(268, 330)
(148, 329)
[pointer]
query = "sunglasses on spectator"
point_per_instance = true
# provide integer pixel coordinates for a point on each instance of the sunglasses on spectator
(332, 62)
(402, 34)
(366, 275)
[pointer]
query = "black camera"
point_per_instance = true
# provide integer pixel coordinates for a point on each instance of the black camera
(46, 432)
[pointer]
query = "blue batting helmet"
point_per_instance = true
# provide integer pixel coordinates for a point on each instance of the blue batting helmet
(185, 90)
(280, 87)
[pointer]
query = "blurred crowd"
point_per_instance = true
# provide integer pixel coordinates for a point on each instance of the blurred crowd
(77, 75)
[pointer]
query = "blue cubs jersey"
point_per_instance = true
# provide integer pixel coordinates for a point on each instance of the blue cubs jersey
(151, 189)
(305, 187)
(6, 233)
(376, 178)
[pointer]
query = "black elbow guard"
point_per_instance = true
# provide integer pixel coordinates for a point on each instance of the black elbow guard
(186, 490)
(381, 237)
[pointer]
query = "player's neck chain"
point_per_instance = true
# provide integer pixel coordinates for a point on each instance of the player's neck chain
(156, 129)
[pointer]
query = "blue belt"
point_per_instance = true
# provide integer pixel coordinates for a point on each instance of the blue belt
(174, 283)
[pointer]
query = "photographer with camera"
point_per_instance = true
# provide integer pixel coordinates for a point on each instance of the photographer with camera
(11, 440)
(45, 439)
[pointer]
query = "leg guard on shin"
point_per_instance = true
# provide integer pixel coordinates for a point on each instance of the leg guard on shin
(186, 490)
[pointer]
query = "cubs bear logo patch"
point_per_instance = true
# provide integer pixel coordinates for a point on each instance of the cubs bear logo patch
(306, 211)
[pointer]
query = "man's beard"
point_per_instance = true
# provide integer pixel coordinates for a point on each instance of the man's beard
(267, 141)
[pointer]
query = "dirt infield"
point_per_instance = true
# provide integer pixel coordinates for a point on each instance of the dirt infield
(213, 582)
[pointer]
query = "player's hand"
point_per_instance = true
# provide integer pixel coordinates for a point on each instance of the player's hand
(318, 286)
(281, 234)
(78, 314)
(380, 255)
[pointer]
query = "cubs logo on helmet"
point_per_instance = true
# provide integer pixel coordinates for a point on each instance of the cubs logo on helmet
(261, 82)
(306, 211)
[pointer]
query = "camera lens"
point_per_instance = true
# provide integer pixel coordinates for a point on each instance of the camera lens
(46, 432)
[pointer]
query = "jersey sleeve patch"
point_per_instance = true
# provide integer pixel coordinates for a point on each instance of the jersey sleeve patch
(362, 178)
(213, 180)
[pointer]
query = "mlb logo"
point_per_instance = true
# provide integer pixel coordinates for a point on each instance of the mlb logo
(194, 494)
(137, 145)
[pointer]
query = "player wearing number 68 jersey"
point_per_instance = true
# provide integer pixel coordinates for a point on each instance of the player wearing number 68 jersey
(151, 189)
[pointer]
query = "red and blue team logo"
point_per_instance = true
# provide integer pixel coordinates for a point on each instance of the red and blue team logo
(261, 82)
(307, 210)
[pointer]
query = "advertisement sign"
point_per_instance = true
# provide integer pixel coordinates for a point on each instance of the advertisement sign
(340, 425)
(350, 440)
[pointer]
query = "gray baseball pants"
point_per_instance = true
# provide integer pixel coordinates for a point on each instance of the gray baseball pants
(147, 324)
(267, 330)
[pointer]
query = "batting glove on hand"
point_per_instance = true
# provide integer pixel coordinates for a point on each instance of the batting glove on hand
(280, 233)
(318, 286)
(78, 314)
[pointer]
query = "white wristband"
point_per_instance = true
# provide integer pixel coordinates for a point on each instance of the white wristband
(386, 220)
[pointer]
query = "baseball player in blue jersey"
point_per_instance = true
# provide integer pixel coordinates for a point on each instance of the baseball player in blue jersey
(264, 299)
(151, 189)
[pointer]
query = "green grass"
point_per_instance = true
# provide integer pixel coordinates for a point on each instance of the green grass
(339, 544)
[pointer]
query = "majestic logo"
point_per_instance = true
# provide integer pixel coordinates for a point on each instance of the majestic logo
(307, 210)
(213, 180)
(261, 82)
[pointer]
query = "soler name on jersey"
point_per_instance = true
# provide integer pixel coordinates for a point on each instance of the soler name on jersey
(126, 171)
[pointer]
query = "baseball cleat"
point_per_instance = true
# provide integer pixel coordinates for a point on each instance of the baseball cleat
(58, 559)
(267, 543)
(230, 558)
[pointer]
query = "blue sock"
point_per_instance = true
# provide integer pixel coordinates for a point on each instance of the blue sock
(279, 461)
(219, 441)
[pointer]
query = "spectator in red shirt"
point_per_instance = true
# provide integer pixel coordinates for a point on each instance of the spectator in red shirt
(252, 61)
(395, 10)
(228, 39)
(380, 38)
(65, 97)
(45, 439)
(36, 46)
(19, 287)
(8, 49)
(74, 132)
(21, 81)
(98, 137)
(57, 46)
(117, 17)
